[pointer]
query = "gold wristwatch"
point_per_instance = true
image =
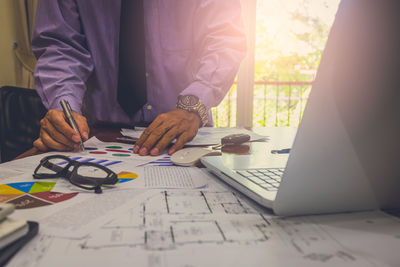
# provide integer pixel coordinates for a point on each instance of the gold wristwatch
(193, 104)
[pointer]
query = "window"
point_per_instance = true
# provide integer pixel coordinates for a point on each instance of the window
(286, 39)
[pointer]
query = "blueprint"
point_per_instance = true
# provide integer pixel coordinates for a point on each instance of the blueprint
(218, 228)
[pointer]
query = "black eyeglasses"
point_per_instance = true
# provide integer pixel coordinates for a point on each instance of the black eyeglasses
(86, 175)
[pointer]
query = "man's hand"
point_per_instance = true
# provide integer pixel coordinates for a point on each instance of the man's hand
(178, 123)
(57, 134)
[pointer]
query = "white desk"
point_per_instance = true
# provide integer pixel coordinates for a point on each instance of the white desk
(207, 226)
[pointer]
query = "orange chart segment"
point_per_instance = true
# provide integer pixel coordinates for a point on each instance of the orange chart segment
(126, 177)
(9, 190)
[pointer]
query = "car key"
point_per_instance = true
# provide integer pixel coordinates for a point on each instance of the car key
(233, 139)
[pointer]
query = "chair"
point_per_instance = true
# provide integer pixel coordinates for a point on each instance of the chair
(20, 112)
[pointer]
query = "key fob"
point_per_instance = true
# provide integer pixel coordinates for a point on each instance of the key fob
(235, 139)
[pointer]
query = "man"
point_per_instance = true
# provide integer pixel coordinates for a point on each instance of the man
(88, 53)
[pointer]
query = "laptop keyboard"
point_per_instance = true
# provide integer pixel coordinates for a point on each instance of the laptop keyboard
(269, 179)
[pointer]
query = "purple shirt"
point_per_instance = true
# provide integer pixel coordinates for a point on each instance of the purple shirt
(192, 47)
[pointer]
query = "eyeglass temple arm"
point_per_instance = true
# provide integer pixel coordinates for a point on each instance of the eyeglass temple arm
(56, 168)
(52, 166)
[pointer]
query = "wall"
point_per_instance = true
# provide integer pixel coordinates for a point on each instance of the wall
(8, 61)
(16, 59)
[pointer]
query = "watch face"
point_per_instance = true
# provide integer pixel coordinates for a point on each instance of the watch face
(189, 100)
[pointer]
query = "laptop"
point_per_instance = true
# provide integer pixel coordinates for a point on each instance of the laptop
(346, 152)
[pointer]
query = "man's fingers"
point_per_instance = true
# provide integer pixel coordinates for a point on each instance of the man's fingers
(152, 140)
(165, 128)
(56, 118)
(40, 145)
(82, 125)
(57, 134)
(143, 136)
(166, 139)
(181, 141)
(51, 133)
(51, 143)
(140, 141)
(146, 133)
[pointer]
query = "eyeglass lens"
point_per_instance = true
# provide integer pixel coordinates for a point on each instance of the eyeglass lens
(82, 174)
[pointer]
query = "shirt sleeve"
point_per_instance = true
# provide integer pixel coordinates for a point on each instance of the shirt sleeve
(64, 62)
(219, 33)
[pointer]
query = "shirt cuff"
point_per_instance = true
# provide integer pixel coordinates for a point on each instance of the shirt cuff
(74, 104)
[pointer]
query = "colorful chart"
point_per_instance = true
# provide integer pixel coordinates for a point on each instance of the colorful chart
(164, 161)
(122, 152)
(116, 151)
(103, 162)
(27, 195)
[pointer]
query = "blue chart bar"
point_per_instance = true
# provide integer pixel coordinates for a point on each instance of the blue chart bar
(65, 162)
(100, 161)
(166, 161)
(87, 160)
(112, 162)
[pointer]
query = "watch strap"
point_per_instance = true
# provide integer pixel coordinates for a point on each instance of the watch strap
(199, 108)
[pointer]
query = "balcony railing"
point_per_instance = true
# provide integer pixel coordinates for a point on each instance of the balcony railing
(276, 103)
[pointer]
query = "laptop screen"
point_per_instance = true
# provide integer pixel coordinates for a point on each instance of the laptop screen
(361, 66)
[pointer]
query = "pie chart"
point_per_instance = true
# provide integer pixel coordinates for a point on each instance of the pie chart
(27, 195)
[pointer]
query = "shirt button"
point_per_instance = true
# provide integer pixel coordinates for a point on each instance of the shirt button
(147, 75)
(149, 107)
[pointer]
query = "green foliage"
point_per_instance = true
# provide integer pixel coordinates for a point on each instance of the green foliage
(294, 59)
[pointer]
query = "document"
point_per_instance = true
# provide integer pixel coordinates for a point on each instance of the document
(118, 155)
(206, 136)
(173, 177)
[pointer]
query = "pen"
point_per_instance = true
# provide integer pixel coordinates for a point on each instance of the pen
(281, 151)
(68, 114)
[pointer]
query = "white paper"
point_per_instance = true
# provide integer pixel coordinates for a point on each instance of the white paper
(171, 177)
(130, 159)
(206, 135)
(6, 173)
(75, 217)
(25, 165)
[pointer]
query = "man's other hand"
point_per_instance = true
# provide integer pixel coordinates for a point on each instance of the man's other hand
(57, 134)
(178, 123)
